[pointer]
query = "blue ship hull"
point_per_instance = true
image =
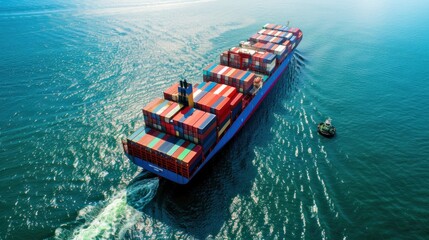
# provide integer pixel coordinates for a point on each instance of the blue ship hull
(234, 128)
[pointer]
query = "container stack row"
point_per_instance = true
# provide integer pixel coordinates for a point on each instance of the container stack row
(276, 33)
(236, 106)
(196, 126)
(240, 79)
(266, 39)
(172, 93)
(280, 51)
(263, 62)
(276, 27)
(217, 88)
(288, 39)
(176, 138)
(159, 113)
(216, 98)
(165, 151)
(237, 58)
(188, 123)
(215, 104)
(241, 58)
(297, 33)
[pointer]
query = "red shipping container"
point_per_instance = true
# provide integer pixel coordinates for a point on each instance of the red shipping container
(203, 101)
(168, 110)
(227, 73)
(168, 93)
(212, 101)
(189, 122)
(215, 88)
(234, 102)
(228, 76)
(223, 106)
(180, 115)
(217, 69)
(219, 88)
(229, 92)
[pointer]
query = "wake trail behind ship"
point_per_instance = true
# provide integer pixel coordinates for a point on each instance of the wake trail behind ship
(117, 216)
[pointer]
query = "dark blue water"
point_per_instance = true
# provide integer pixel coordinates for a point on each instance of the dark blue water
(75, 74)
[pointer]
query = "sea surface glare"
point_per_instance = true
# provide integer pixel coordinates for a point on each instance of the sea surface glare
(74, 76)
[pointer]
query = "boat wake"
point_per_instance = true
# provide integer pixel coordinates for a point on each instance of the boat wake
(113, 218)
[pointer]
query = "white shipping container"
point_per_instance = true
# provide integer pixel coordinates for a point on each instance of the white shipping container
(280, 49)
(219, 74)
(220, 89)
(271, 66)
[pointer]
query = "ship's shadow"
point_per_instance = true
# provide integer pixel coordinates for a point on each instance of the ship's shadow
(202, 207)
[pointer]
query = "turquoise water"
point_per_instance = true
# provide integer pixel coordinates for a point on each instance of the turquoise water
(75, 74)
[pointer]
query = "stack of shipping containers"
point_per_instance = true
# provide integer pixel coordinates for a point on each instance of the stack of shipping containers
(296, 32)
(177, 137)
(263, 62)
(237, 58)
(158, 113)
(196, 126)
(241, 79)
(280, 51)
(164, 150)
(258, 61)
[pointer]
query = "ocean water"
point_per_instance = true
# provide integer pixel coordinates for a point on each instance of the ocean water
(74, 76)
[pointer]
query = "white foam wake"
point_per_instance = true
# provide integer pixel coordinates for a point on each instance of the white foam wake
(116, 217)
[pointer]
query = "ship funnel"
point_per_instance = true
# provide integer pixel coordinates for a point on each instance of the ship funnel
(186, 96)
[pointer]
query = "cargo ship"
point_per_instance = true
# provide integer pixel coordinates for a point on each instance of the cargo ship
(185, 129)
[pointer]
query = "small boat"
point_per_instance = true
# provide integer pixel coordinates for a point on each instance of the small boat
(326, 129)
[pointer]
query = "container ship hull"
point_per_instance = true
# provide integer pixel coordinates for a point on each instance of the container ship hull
(235, 126)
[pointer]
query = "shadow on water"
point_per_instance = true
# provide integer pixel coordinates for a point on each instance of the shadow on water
(201, 207)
